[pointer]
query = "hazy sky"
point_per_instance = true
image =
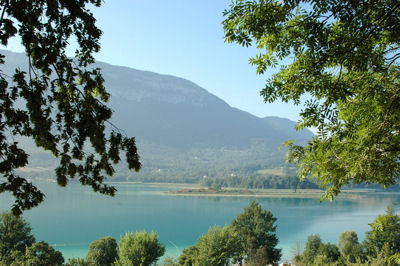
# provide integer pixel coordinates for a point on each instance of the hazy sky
(183, 38)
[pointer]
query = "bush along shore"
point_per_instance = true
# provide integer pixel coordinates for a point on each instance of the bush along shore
(250, 239)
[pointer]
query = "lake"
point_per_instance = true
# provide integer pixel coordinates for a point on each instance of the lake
(72, 217)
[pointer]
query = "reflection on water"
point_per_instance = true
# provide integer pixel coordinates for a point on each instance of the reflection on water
(72, 217)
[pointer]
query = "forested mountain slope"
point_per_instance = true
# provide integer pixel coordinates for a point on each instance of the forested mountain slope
(183, 132)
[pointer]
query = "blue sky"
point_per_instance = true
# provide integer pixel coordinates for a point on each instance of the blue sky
(183, 38)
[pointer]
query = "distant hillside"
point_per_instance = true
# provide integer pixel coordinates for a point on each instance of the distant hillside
(174, 111)
(183, 130)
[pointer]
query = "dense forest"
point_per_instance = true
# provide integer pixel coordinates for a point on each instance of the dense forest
(209, 167)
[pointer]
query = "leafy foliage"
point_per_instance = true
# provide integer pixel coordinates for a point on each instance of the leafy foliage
(217, 247)
(318, 253)
(349, 247)
(41, 254)
(77, 262)
(140, 248)
(60, 102)
(343, 57)
(102, 251)
(188, 256)
(385, 230)
(256, 230)
(15, 234)
(380, 246)
(250, 237)
(18, 247)
(168, 261)
(257, 181)
(311, 250)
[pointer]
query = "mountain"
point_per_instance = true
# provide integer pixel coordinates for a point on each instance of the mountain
(180, 126)
(174, 111)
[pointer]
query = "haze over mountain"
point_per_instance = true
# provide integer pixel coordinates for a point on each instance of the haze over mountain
(174, 111)
(174, 117)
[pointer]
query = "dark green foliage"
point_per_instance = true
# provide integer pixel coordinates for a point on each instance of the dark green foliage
(318, 253)
(311, 249)
(15, 234)
(385, 230)
(383, 256)
(343, 56)
(18, 247)
(188, 256)
(41, 254)
(349, 247)
(140, 248)
(217, 247)
(102, 251)
(77, 262)
(258, 257)
(16, 257)
(168, 261)
(329, 251)
(256, 230)
(250, 237)
(380, 247)
(258, 181)
(59, 102)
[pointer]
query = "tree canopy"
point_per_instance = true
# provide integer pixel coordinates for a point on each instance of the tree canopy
(250, 238)
(102, 251)
(59, 102)
(341, 58)
(41, 254)
(140, 248)
(349, 247)
(18, 246)
(218, 247)
(256, 230)
(380, 247)
(385, 230)
(15, 234)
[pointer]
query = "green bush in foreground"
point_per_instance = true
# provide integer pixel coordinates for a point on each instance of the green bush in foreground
(77, 262)
(15, 234)
(139, 249)
(256, 229)
(380, 247)
(250, 238)
(217, 247)
(385, 229)
(102, 252)
(18, 246)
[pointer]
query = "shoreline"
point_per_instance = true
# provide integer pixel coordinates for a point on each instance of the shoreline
(265, 193)
(197, 190)
(159, 184)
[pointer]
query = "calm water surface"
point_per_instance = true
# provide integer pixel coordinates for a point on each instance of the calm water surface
(72, 217)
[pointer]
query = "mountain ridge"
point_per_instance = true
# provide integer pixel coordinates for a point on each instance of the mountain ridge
(176, 121)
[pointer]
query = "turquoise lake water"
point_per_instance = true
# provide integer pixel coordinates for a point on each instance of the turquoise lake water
(72, 217)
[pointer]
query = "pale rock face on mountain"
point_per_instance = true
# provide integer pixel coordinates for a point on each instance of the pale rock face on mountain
(149, 85)
(175, 112)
